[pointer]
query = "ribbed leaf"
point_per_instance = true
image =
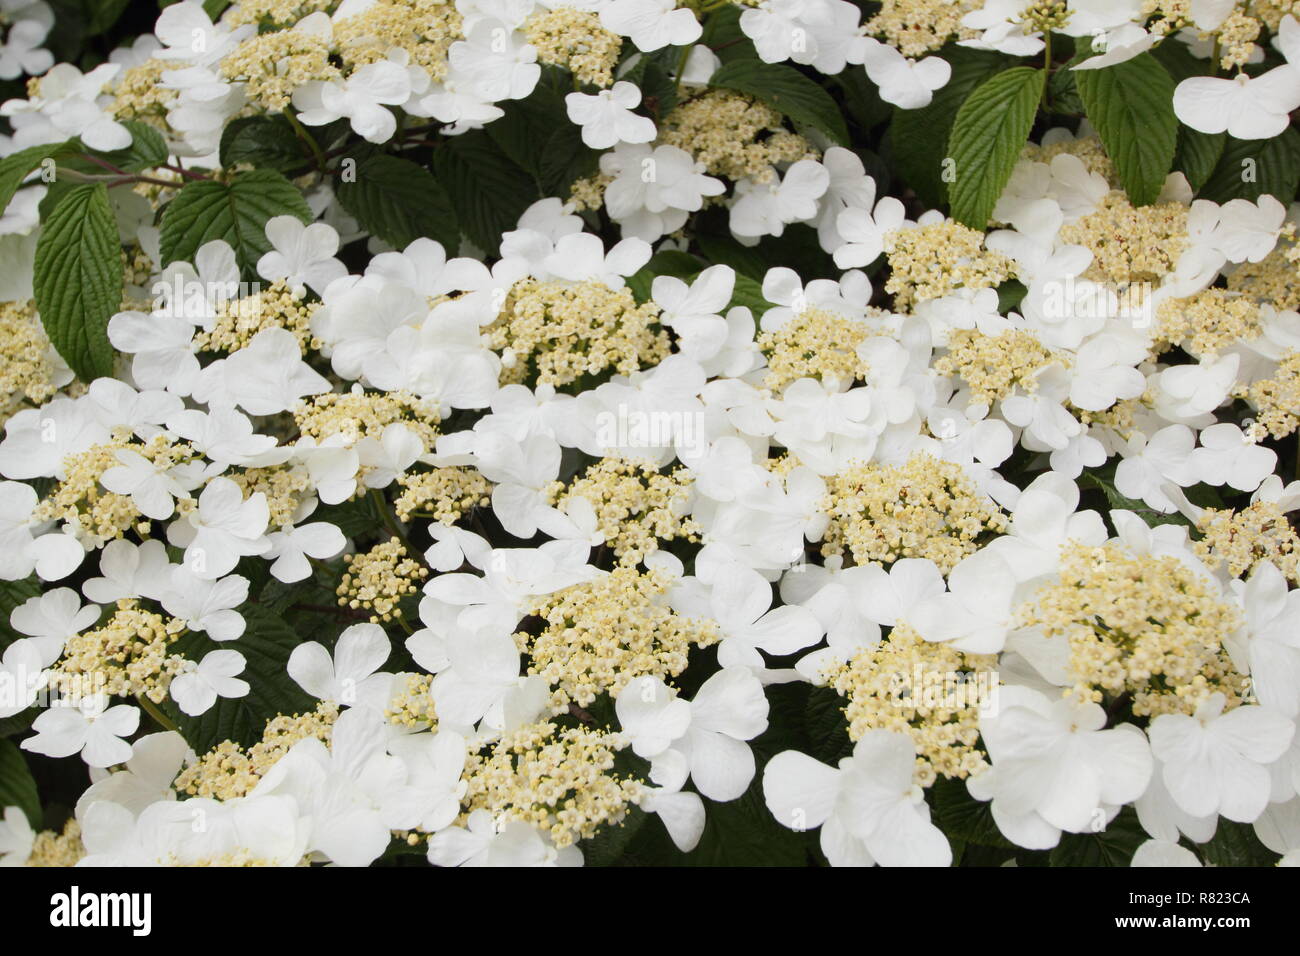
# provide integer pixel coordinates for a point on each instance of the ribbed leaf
(990, 130)
(78, 279)
(1131, 105)
(206, 211)
(399, 201)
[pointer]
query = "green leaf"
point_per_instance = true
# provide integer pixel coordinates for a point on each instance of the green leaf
(1063, 91)
(488, 190)
(1105, 481)
(105, 13)
(919, 138)
(1132, 106)
(78, 279)
(536, 135)
(749, 293)
(862, 99)
(826, 726)
(606, 848)
(266, 645)
(16, 167)
(237, 213)
(724, 250)
(960, 816)
(17, 787)
(399, 201)
(723, 35)
(1179, 61)
(264, 142)
(787, 91)
(1235, 844)
(1198, 154)
(1113, 846)
(990, 130)
(148, 149)
(13, 594)
(1252, 168)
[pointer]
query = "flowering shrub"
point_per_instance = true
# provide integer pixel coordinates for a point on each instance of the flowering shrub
(629, 431)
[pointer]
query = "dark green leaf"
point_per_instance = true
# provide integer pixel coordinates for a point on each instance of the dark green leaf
(826, 726)
(16, 167)
(264, 142)
(990, 130)
(919, 138)
(1248, 169)
(1235, 844)
(13, 594)
(1131, 105)
(1113, 846)
(78, 279)
(961, 816)
(488, 190)
(237, 213)
(670, 262)
(1198, 154)
(399, 201)
(17, 788)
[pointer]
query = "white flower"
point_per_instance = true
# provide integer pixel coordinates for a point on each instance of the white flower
(740, 600)
(265, 377)
(493, 63)
(864, 231)
(300, 254)
(205, 604)
(606, 117)
(1216, 762)
(869, 809)
(1163, 853)
(362, 98)
(88, 729)
(222, 529)
(818, 33)
(21, 52)
(434, 763)
(353, 793)
(293, 545)
(705, 738)
(977, 612)
(350, 677)
(146, 779)
(1228, 457)
(22, 677)
(16, 838)
(651, 24)
(1055, 768)
(765, 209)
(1246, 107)
(907, 84)
(1272, 638)
(196, 688)
(69, 104)
(654, 188)
(484, 842)
(581, 257)
(51, 619)
(152, 490)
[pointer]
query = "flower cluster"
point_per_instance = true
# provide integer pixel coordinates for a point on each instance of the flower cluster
(511, 433)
